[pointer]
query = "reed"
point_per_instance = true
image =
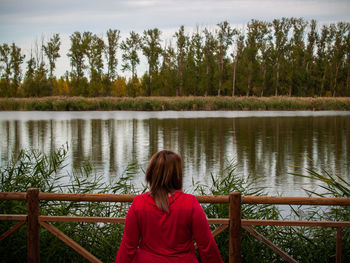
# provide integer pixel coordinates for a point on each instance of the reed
(172, 103)
(34, 169)
(47, 172)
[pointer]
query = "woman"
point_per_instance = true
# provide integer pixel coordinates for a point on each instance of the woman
(161, 224)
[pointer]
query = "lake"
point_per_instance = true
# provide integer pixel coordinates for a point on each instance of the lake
(266, 146)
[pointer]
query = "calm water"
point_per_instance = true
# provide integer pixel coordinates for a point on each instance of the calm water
(266, 146)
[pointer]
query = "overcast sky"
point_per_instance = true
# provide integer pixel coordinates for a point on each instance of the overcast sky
(23, 21)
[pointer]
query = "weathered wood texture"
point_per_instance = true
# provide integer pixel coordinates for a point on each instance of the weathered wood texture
(235, 228)
(33, 238)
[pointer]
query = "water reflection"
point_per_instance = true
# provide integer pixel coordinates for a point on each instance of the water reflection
(265, 148)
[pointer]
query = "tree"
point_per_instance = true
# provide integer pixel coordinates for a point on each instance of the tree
(347, 63)
(151, 49)
(5, 59)
(257, 35)
(265, 64)
(296, 58)
(168, 71)
(322, 58)
(197, 44)
(235, 56)
(29, 84)
(130, 56)
(180, 56)
(51, 50)
(209, 55)
(77, 54)
(338, 53)
(16, 60)
(30, 67)
(310, 56)
(189, 73)
(94, 51)
(113, 37)
(40, 85)
(43, 87)
(224, 35)
(281, 30)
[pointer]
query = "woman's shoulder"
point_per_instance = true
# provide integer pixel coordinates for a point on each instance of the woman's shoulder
(190, 198)
(141, 197)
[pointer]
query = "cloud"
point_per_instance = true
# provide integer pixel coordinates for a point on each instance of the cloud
(143, 14)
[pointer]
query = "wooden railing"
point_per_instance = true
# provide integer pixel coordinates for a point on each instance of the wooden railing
(34, 220)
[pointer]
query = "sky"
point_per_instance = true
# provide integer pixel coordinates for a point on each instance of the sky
(26, 21)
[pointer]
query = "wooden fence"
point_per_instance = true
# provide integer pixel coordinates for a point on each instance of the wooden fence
(234, 222)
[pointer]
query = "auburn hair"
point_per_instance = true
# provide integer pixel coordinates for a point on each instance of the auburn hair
(164, 176)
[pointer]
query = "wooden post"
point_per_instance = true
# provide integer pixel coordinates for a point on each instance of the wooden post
(235, 228)
(339, 246)
(33, 239)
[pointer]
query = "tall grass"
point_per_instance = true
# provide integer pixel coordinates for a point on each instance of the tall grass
(172, 103)
(34, 169)
(330, 185)
(305, 244)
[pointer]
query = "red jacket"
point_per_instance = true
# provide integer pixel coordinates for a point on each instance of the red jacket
(151, 235)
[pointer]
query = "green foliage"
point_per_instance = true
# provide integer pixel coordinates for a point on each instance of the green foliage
(305, 244)
(113, 36)
(77, 54)
(223, 184)
(151, 48)
(330, 185)
(35, 169)
(16, 60)
(130, 57)
(5, 69)
(51, 50)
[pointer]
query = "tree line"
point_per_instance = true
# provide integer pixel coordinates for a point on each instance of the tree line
(288, 56)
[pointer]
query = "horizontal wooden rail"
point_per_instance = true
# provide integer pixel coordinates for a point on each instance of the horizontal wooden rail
(14, 217)
(282, 200)
(116, 197)
(13, 196)
(256, 222)
(82, 219)
(86, 197)
(211, 221)
(77, 197)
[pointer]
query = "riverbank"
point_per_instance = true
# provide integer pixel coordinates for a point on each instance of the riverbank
(173, 103)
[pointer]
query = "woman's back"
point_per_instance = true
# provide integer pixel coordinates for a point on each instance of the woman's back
(161, 225)
(168, 237)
